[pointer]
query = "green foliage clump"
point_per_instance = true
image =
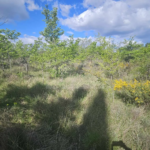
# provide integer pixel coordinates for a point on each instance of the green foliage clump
(134, 91)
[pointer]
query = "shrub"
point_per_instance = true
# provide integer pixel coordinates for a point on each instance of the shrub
(134, 91)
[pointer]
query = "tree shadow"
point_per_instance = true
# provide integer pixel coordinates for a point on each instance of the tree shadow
(60, 109)
(18, 94)
(56, 127)
(20, 99)
(18, 137)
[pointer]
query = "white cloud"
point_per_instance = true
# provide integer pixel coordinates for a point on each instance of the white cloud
(113, 18)
(69, 32)
(138, 3)
(55, 4)
(83, 41)
(13, 10)
(132, 3)
(63, 37)
(95, 3)
(65, 9)
(32, 6)
(28, 39)
(16, 9)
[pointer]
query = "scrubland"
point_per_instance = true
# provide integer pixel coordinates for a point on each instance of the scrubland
(79, 110)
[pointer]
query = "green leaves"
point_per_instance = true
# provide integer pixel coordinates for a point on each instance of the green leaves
(10, 34)
(51, 32)
(130, 48)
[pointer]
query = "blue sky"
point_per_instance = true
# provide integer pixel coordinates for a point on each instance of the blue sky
(117, 19)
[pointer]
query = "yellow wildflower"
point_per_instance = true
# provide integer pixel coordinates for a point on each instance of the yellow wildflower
(15, 103)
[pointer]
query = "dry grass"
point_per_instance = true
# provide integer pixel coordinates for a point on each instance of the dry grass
(72, 113)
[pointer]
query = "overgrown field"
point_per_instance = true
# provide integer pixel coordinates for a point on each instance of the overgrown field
(76, 94)
(78, 111)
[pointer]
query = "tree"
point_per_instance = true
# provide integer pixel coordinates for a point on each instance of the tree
(142, 61)
(147, 44)
(51, 31)
(128, 49)
(25, 52)
(5, 47)
(10, 35)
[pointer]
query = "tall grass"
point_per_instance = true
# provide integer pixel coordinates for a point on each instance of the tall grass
(76, 112)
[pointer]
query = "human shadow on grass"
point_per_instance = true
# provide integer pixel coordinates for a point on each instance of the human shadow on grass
(92, 134)
(57, 128)
(94, 129)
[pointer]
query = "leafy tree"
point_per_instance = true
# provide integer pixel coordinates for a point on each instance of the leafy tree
(51, 34)
(24, 51)
(36, 49)
(10, 35)
(128, 49)
(142, 61)
(51, 31)
(5, 47)
(72, 48)
(147, 44)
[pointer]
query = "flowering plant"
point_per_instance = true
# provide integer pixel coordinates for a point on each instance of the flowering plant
(135, 91)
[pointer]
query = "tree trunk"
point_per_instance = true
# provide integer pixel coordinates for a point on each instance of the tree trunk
(43, 72)
(10, 64)
(111, 77)
(57, 71)
(27, 67)
(3, 66)
(119, 72)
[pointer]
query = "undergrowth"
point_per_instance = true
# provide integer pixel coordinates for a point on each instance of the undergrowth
(75, 112)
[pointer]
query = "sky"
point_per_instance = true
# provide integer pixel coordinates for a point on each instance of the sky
(118, 19)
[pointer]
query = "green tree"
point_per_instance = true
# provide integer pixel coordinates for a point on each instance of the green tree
(25, 52)
(5, 47)
(51, 31)
(128, 49)
(147, 44)
(142, 61)
(10, 35)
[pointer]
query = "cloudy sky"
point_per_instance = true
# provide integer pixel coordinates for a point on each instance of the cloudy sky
(118, 19)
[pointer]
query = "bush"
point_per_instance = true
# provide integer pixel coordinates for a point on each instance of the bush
(134, 91)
